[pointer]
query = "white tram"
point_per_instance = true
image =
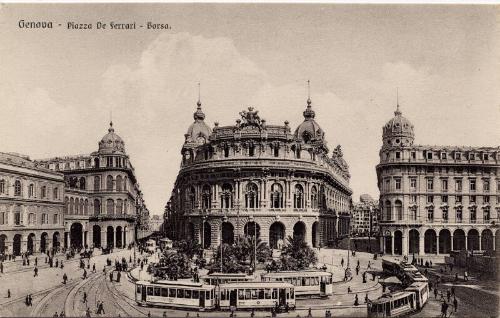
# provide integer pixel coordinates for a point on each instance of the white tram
(175, 294)
(421, 290)
(256, 295)
(392, 305)
(225, 278)
(307, 283)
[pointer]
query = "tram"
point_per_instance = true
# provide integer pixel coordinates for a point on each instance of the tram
(392, 305)
(421, 290)
(224, 278)
(306, 283)
(175, 294)
(256, 295)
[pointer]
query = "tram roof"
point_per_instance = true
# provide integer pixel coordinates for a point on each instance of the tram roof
(392, 296)
(172, 283)
(238, 275)
(306, 273)
(256, 285)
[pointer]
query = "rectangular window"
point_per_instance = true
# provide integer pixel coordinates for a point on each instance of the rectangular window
(387, 185)
(473, 216)
(430, 199)
(471, 156)
(398, 155)
(150, 291)
(413, 155)
(472, 199)
(486, 185)
(486, 199)
(172, 292)
(443, 155)
(430, 214)
(444, 199)
(413, 199)
(459, 215)
(398, 184)
(413, 183)
(17, 218)
(56, 218)
(458, 185)
(164, 292)
(429, 155)
(457, 155)
(430, 184)
(157, 291)
(444, 185)
(458, 199)
(472, 185)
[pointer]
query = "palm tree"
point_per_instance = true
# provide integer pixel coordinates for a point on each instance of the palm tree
(297, 255)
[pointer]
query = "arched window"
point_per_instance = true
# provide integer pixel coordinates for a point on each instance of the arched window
(276, 196)
(97, 207)
(298, 197)
(125, 180)
(96, 162)
(66, 205)
(71, 206)
(206, 197)
(86, 208)
(251, 149)
(314, 197)
(119, 206)
(97, 183)
(119, 183)
(109, 183)
(398, 209)
(31, 190)
(77, 205)
(191, 196)
(252, 196)
(110, 207)
(388, 210)
(125, 206)
(226, 151)
(227, 196)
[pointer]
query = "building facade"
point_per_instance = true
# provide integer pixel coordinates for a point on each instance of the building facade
(102, 199)
(436, 199)
(253, 178)
(365, 215)
(31, 206)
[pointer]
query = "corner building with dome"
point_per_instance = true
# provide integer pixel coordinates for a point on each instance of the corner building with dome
(103, 203)
(254, 178)
(436, 199)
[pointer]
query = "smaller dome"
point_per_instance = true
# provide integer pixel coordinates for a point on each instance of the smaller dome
(199, 131)
(398, 130)
(111, 142)
(365, 198)
(309, 129)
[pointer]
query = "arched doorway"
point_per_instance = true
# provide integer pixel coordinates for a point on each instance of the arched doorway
(76, 234)
(125, 230)
(56, 241)
(110, 236)
(119, 237)
(31, 243)
(276, 235)
(190, 231)
(43, 242)
(414, 242)
(473, 240)
(398, 243)
(388, 244)
(16, 247)
(315, 234)
(430, 242)
(227, 233)
(444, 241)
(96, 236)
(299, 231)
(3, 244)
(207, 235)
(458, 240)
(487, 240)
(251, 228)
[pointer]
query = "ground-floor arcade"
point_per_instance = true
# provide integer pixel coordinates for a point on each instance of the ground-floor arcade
(84, 233)
(437, 240)
(273, 230)
(39, 240)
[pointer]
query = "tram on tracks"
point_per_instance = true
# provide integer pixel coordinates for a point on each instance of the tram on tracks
(175, 294)
(421, 291)
(396, 304)
(224, 278)
(256, 295)
(307, 283)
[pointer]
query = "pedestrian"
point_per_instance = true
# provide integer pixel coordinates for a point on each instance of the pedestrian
(149, 314)
(101, 307)
(36, 261)
(164, 314)
(309, 313)
(55, 314)
(30, 300)
(448, 295)
(62, 314)
(36, 271)
(455, 304)
(442, 311)
(111, 276)
(466, 276)
(57, 263)
(118, 277)
(27, 301)
(1, 267)
(456, 276)
(62, 265)
(356, 300)
(252, 314)
(369, 265)
(87, 313)
(65, 278)
(8, 293)
(366, 298)
(342, 262)
(348, 289)
(453, 291)
(84, 297)
(435, 293)
(430, 262)
(84, 273)
(93, 268)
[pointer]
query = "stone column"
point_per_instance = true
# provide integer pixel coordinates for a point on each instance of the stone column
(104, 238)
(451, 237)
(421, 245)
(479, 238)
(405, 247)
(494, 239)
(437, 244)
(392, 244)
(466, 242)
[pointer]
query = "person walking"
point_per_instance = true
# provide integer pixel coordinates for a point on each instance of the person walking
(87, 313)
(84, 297)
(62, 314)
(8, 293)
(448, 295)
(93, 268)
(1, 267)
(36, 261)
(342, 262)
(35, 270)
(455, 304)
(65, 278)
(84, 273)
(55, 314)
(435, 293)
(111, 276)
(356, 300)
(164, 314)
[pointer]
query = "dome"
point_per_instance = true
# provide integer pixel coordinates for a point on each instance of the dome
(365, 198)
(398, 131)
(111, 142)
(198, 131)
(309, 129)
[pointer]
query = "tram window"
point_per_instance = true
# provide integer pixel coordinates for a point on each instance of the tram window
(196, 294)
(267, 293)
(241, 294)
(164, 292)
(255, 294)
(180, 293)
(207, 294)
(261, 293)
(157, 291)
(248, 294)
(303, 281)
(172, 292)
(138, 289)
(212, 294)
(292, 293)
(275, 293)
(223, 294)
(150, 291)
(187, 294)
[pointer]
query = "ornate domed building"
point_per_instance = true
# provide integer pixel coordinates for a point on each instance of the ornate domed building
(103, 204)
(436, 199)
(255, 178)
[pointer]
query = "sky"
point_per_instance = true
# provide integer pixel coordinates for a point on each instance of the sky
(59, 86)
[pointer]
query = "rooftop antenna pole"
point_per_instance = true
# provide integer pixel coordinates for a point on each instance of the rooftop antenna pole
(199, 93)
(308, 90)
(397, 98)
